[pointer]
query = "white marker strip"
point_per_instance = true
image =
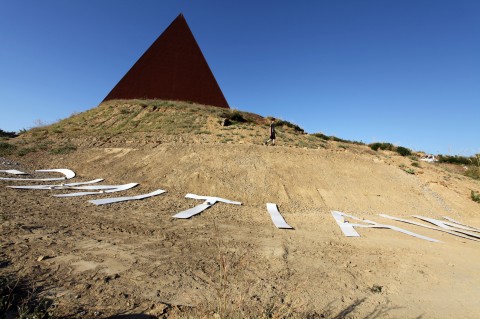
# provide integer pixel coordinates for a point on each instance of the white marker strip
(426, 226)
(373, 224)
(442, 224)
(192, 211)
(212, 199)
(60, 186)
(12, 171)
(345, 226)
(68, 175)
(276, 217)
(117, 189)
(453, 223)
(123, 199)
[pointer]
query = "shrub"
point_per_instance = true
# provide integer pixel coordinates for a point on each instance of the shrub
(7, 134)
(321, 136)
(295, 127)
(234, 116)
(382, 146)
(403, 151)
(473, 172)
(475, 196)
(462, 160)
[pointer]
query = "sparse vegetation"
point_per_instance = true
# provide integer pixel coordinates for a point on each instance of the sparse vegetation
(7, 134)
(63, 149)
(295, 127)
(407, 170)
(7, 148)
(20, 300)
(475, 196)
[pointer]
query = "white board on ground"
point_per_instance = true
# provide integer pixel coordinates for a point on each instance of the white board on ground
(209, 201)
(12, 171)
(372, 224)
(426, 226)
(453, 223)
(443, 225)
(193, 211)
(212, 199)
(59, 186)
(117, 189)
(123, 199)
(345, 226)
(277, 218)
(67, 172)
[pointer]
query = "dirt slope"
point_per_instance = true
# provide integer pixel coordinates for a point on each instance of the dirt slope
(133, 258)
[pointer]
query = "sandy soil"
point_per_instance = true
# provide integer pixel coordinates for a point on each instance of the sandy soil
(132, 258)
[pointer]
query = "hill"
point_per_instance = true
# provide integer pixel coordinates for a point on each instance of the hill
(133, 258)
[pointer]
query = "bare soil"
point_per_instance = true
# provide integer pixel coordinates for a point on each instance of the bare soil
(133, 260)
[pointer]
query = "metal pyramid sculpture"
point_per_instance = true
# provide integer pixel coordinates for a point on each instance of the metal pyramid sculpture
(173, 68)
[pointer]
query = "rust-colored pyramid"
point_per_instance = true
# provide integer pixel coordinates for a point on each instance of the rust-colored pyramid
(173, 68)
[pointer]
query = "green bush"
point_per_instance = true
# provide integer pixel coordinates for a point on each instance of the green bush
(7, 134)
(321, 136)
(234, 116)
(382, 146)
(403, 151)
(462, 160)
(475, 196)
(295, 127)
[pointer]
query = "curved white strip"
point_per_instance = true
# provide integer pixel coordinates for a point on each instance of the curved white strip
(276, 217)
(68, 174)
(118, 189)
(443, 225)
(12, 171)
(122, 199)
(60, 186)
(426, 226)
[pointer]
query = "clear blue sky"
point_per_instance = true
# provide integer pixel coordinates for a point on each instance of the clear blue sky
(399, 71)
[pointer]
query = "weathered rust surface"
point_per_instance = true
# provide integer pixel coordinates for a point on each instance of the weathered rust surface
(173, 68)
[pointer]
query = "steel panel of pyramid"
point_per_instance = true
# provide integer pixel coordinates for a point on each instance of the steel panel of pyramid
(173, 68)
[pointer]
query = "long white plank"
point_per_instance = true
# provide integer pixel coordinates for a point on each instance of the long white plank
(277, 218)
(123, 199)
(118, 189)
(12, 171)
(442, 224)
(192, 211)
(426, 226)
(68, 174)
(453, 223)
(59, 186)
(212, 199)
(372, 224)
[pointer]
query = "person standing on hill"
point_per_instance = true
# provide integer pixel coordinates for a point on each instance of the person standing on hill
(272, 133)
